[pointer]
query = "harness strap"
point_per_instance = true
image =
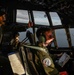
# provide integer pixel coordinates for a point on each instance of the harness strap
(36, 48)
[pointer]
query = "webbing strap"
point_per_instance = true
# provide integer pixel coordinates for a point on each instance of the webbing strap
(36, 48)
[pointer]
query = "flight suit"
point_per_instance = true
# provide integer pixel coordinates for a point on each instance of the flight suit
(42, 60)
(44, 63)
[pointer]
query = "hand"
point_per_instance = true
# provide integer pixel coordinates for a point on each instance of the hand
(48, 42)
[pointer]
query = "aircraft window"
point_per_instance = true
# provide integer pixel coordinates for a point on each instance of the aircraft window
(52, 44)
(22, 16)
(23, 34)
(40, 18)
(61, 38)
(72, 35)
(55, 18)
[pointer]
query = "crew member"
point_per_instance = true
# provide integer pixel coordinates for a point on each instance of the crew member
(5, 68)
(43, 60)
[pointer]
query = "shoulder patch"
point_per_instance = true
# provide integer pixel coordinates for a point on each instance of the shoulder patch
(46, 62)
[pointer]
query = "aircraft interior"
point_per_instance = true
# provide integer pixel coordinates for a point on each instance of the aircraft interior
(23, 15)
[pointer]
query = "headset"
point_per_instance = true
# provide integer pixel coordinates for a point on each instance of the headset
(42, 38)
(41, 34)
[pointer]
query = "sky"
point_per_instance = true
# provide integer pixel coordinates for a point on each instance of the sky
(40, 17)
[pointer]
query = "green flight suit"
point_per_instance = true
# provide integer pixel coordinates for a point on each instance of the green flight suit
(42, 61)
(49, 68)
